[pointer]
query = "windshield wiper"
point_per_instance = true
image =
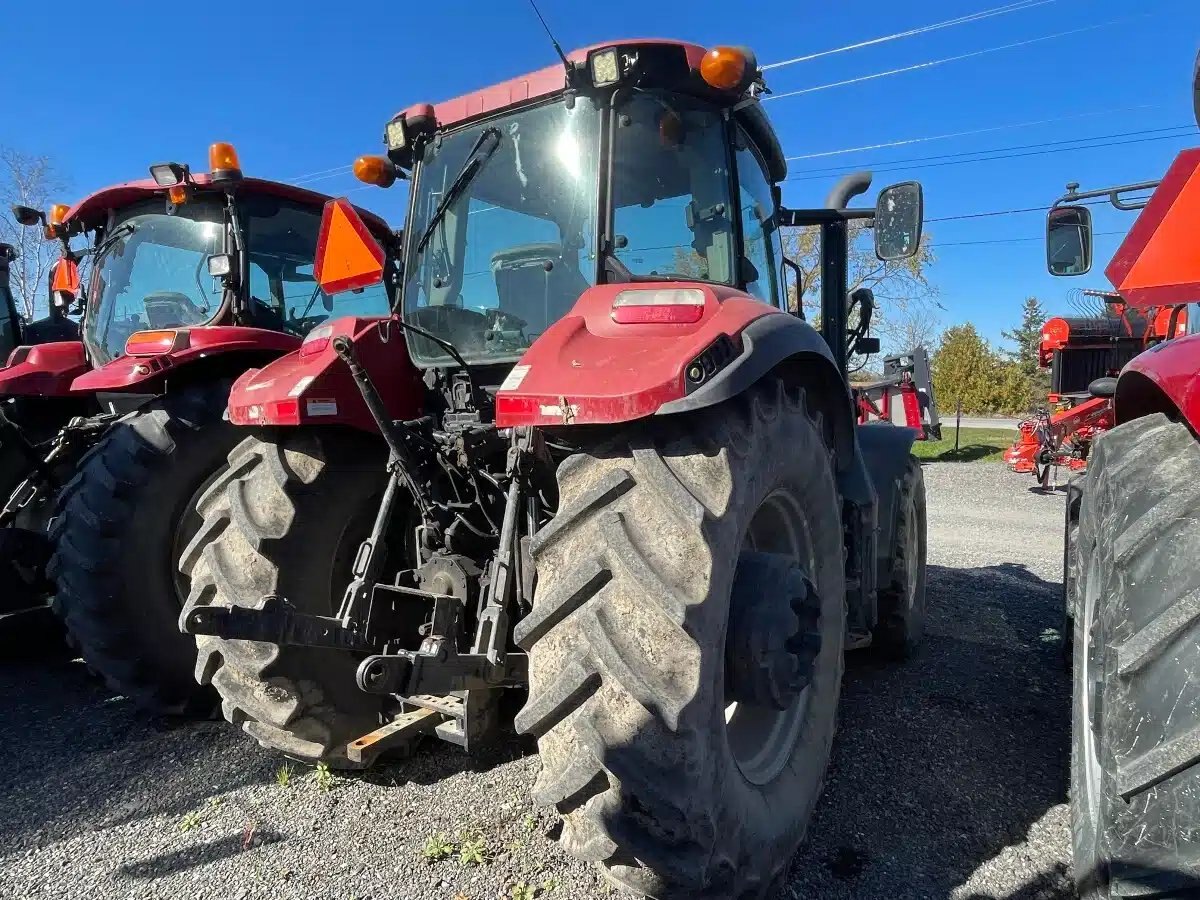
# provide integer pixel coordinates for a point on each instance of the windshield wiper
(474, 162)
(121, 231)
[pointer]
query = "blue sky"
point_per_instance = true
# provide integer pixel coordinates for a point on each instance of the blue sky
(306, 86)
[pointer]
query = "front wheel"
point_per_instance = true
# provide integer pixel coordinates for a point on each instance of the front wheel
(686, 645)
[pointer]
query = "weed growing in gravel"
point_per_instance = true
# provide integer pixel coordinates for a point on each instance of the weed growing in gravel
(437, 847)
(474, 852)
(530, 822)
(283, 775)
(324, 778)
(548, 885)
(190, 820)
(523, 891)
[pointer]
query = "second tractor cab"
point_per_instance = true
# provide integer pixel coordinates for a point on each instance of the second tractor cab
(604, 466)
(194, 278)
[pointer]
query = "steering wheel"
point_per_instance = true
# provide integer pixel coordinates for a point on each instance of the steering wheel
(498, 319)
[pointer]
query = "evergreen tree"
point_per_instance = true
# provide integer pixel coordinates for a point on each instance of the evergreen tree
(1027, 337)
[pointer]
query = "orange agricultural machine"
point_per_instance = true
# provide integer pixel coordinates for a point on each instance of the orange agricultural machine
(1077, 350)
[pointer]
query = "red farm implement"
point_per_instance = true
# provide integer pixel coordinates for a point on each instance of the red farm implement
(903, 396)
(1079, 352)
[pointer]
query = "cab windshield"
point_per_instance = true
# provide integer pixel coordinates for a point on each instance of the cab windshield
(152, 271)
(512, 252)
(504, 224)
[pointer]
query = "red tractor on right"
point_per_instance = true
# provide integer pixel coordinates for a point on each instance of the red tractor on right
(1131, 581)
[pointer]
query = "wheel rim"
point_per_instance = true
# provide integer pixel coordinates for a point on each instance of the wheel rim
(761, 737)
(1087, 686)
(912, 549)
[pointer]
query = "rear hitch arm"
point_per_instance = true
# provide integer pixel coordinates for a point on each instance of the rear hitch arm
(273, 621)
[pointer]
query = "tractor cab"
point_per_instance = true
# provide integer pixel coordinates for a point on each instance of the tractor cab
(637, 170)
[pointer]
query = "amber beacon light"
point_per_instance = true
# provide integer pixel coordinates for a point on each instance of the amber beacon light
(724, 68)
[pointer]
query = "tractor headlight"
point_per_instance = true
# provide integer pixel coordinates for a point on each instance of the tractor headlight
(605, 67)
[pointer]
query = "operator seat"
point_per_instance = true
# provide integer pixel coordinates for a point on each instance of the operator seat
(536, 283)
(167, 309)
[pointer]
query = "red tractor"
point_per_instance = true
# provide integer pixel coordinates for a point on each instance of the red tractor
(194, 279)
(1131, 575)
(1077, 350)
(590, 461)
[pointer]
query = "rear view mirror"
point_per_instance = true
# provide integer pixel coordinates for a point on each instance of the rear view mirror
(27, 216)
(1069, 240)
(899, 216)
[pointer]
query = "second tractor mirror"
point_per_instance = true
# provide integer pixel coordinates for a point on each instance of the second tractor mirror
(899, 215)
(1069, 240)
(27, 216)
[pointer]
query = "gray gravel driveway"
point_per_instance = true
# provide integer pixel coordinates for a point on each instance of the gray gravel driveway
(948, 777)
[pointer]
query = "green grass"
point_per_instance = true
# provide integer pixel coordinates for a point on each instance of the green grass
(974, 445)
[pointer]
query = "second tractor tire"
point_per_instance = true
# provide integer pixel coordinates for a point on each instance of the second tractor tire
(286, 518)
(118, 528)
(1135, 762)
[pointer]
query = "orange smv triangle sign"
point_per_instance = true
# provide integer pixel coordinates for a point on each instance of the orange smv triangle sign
(348, 257)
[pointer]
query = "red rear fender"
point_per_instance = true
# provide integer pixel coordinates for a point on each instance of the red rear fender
(192, 345)
(589, 369)
(1166, 379)
(312, 386)
(43, 370)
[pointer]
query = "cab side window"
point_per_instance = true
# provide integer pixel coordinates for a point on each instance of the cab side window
(760, 233)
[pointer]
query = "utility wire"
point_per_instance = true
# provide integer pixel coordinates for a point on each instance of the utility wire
(923, 29)
(1007, 240)
(960, 162)
(938, 62)
(832, 170)
(973, 131)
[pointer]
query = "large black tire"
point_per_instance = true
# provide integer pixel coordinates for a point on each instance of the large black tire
(118, 528)
(287, 518)
(1135, 767)
(902, 599)
(627, 639)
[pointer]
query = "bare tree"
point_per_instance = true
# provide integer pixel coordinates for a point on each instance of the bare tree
(913, 325)
(897, 284)
(28, 180)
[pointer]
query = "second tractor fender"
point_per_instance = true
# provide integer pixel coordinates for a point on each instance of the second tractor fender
(885, 452)
(779, 343)
(1162, 379)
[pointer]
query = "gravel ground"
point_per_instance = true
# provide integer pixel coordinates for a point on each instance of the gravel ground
(948, 775)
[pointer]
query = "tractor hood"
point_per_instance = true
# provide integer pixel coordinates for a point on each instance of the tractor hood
(313, 385)
(43, 370)
(620, 355)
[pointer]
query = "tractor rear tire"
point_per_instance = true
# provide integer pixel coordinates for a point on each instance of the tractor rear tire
(902, 600)
(1135, 762)
(287, 518)
(118, 528)
(658, 532)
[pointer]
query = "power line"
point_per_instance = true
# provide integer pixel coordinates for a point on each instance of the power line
(973, 131)
(923, 29)
(938, 62)
(831, 170)
(960, 162)
(1012, 212)
(1008, 240)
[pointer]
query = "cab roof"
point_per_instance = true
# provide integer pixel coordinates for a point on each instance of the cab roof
(93, 210)
(553, 79)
